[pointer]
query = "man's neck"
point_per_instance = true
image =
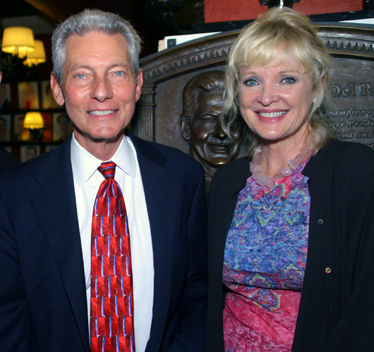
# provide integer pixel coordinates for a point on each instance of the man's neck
(102, 150)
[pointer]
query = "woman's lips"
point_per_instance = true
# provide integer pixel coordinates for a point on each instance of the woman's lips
(271, 116)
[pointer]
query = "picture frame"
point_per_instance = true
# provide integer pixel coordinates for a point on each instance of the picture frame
(29, 151)
(62, 127)
(5, 127)
(8, 149)
(48, 101)
(50, 147)
(28, 96)
(19, 132)
(5, 97)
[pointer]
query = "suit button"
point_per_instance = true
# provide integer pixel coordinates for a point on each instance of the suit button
(320, 221)
(328, 270)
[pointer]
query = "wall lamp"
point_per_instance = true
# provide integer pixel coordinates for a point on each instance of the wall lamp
(18, 41)
(35, 123)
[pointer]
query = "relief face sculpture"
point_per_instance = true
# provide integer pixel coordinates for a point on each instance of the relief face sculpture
(199, 121)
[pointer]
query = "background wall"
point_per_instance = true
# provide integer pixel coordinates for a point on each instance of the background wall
(237, 10)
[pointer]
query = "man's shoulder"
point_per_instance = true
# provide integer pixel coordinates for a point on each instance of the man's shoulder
(166, 155)
(51, 162)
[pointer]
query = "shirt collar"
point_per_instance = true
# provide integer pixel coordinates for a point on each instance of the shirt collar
(85, 164)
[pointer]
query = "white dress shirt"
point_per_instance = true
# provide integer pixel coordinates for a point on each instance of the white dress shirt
(87, 180)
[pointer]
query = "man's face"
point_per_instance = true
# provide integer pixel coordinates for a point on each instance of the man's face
(99, 88)
(209, 142)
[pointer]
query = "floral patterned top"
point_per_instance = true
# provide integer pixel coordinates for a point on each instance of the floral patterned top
(264, 264)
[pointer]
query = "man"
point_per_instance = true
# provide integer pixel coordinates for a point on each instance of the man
(46, 211)
(202, 106)
(7, 160)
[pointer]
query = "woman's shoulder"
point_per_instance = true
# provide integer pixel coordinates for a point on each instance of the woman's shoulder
(347, 152)
(343, 159)
(229, 178)
(339, 146)
(233, 169)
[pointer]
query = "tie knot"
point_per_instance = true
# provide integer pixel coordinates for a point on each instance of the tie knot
(107, 169)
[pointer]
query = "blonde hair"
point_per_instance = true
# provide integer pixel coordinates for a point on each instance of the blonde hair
(258, 44)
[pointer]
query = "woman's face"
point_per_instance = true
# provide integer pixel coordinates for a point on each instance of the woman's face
(275, 101)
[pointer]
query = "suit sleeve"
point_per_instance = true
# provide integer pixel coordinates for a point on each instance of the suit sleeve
(191, 322)
(14, 314)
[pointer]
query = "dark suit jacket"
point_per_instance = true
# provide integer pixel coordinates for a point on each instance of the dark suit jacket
(7, 160)
(42, 290)
(336, 311)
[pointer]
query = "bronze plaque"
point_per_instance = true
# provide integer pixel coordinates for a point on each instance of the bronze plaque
(353, 93)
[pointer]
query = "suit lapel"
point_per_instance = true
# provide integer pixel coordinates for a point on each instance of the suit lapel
(158, 199)
(55, 207)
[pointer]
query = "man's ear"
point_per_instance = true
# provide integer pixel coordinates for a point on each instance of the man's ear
(139, 84)
(185, 127)
(57, 91)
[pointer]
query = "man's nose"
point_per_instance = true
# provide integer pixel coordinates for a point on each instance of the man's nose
(101, 89)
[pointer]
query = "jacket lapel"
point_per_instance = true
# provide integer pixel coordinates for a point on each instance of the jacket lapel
(158, 199)
(235, 185)
(55, 207)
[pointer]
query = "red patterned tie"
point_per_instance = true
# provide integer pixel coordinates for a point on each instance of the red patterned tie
(112, 328)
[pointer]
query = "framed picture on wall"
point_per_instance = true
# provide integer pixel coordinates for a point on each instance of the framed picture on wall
(5, 123)
(21, 133)
(8, 148)
(29, 151)
(5, 97)
(48, 102)
(28, 97)
(50, 147)
(62, 127)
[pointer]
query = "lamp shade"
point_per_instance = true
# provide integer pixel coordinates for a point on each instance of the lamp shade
(37, 56)
(33, 120)
(18, 40)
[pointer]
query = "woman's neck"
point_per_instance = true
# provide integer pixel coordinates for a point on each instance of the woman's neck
(275, 156)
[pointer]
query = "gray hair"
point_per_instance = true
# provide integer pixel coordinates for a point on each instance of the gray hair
(93, 20)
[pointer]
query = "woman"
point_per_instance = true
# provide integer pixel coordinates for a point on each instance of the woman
(291, 226)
